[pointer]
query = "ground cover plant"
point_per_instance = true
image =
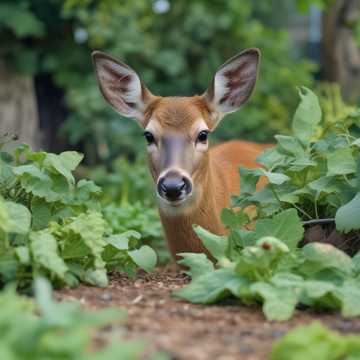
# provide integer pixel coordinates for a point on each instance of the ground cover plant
(54, 225)
(315, 341)
(312, 177)
(51, 330)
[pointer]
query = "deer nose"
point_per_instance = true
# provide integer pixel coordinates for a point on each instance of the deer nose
(173, 188)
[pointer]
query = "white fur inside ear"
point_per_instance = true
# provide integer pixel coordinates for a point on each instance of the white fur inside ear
(233, 82)
(121, 86)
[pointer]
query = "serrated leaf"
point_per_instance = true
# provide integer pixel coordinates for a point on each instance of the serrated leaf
(198, 264)
(45, 252)
(307, 116)
(274, 178)
(285, 226)
(145, 257)
(347, 217)
(290, 145)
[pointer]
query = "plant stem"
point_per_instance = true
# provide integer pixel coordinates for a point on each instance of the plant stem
(302, 211)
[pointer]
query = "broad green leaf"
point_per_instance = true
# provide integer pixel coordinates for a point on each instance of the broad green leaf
(121, 241)
(248, 180)
(278, 302)
(234, 219)
(315, 342)
(20, 218)
(97, 277)
(349, 295)
(45, 252)
(198, 264)
(274, 178)
(145, 257)
(285, 226)
(341, 162)
(307, 116)
(215, 244)
(23, 254)
(319, 256)
(290, 145)
(63, 163)
(41, 213)
(271, 158)
(347, 217)
(212, 287)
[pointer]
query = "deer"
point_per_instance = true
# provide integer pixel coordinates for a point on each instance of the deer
(193, 182)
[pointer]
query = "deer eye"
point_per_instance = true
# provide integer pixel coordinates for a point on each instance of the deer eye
(203, 136)
(149, 137)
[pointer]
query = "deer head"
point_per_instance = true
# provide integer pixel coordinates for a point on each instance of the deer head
(177, 128)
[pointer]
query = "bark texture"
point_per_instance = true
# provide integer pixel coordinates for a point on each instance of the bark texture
(340, 52)
(18, 108)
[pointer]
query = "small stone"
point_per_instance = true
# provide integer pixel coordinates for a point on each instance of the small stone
(277, 333)
(106, 296)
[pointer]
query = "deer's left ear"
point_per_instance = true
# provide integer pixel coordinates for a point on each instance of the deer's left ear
(233, 83)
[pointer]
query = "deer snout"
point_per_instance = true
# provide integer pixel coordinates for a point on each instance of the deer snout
(174, 187)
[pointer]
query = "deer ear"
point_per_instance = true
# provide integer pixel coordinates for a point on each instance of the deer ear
(233, 83)
(121, 86)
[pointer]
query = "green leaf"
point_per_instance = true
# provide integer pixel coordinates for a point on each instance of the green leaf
(290, 145)
(341, 162)
(64, 163)
(212, 287)
(198, 264)
(315, 342)
(279, 302)
(45, 252)
(347, 217)
(215, 244)
(248, 180)
(285, 226)
(307, 116)
(274, 178)
(319, 256)
(234, 219)
(121, 241)
(145, 257)
(20, 218)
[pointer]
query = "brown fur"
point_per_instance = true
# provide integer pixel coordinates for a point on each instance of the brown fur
(217, 174)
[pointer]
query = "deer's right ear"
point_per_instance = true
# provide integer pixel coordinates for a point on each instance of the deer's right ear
(121, 86)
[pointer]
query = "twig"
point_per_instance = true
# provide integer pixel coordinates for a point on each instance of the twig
(318, 221)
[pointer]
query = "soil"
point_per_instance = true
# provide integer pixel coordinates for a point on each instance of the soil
(224, 331)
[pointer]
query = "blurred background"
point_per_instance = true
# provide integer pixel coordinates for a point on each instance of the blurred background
(48, 94)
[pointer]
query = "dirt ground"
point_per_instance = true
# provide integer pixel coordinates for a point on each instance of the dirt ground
(194, 332)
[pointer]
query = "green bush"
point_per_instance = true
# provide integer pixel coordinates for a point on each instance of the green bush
(172, 59)
(53, 225)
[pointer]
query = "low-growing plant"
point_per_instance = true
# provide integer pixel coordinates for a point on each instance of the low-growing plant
(44, 329)
(311, 177)
(315, 341)
(53, 225)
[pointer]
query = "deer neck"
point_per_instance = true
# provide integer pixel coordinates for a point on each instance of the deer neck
(205, 212)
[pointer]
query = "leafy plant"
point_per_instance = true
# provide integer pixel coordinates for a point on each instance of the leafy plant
(315, 341)
(53, 225)
(311, 175)
(44, 329)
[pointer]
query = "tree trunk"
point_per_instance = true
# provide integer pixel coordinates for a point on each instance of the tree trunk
(18, 108)
(340, 52)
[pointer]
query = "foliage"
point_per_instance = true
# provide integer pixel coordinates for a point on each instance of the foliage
(266, 266)
(312, 173)
(315, 341)
(46, 329)
(53, 225)
(128, 203)
(206, 34)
